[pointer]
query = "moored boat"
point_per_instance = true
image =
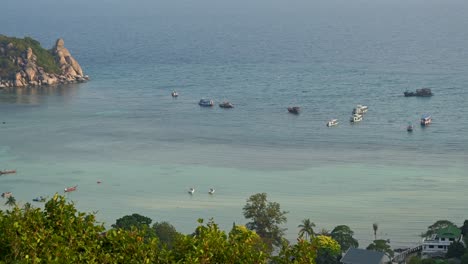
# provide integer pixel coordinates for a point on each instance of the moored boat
(191, 190)
(226, 104)
(294, 109)
(40, 199)
(356, 118)
(333, 122)
(7, 194)
(174, 94)
(423, 92)
(70, 189)
(360, 109)
(426, 119)
(211, 191)
(409, 128)
(7, 172)
(206, 102)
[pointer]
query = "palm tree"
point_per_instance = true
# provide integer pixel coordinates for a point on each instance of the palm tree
(375, 226)
(11, 201)
(306, 228)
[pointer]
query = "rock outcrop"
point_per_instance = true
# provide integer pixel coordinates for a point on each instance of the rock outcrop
(22, 68)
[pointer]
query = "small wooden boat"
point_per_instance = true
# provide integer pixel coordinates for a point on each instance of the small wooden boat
(174, 94)
(211, 191)
(206, 102)
(333, 122)
(294, 109)
(410, 127)
(7, 194)
(226, 104)
(191, 190)
(7, 172)
(71, 189)
(40, 199)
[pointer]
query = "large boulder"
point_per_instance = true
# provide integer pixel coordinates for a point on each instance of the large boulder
(67, 63)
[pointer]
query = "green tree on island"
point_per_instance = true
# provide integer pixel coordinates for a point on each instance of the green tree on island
(344, 236)
(265, 218)
(306, 228)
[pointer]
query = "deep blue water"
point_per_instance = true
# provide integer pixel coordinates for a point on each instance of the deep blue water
(123, 126)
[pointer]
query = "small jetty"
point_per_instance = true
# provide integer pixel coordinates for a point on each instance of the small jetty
(7, 172)
(423, 92)
(294, 110)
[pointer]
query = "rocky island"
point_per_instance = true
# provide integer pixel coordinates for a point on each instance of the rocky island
(24, 63)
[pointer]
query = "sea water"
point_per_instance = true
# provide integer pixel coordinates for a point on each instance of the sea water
(124, 129)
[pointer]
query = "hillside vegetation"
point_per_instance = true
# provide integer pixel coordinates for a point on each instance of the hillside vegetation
(12, 48)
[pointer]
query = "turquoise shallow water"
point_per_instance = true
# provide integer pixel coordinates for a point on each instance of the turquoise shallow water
(124, 128)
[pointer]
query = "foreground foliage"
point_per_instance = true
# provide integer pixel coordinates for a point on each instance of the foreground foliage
(266, 218)
(61, 234)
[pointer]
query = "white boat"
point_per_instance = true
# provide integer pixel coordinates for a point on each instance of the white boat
(191, 190)
(426, 119)
(211, 191)
(333, 122)
(174, 94)
(360, 109)
(206, 102)
(356, 118)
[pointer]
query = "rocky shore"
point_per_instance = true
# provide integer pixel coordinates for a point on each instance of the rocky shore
(24, 66)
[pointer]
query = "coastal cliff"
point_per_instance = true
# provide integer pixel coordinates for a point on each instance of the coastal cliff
(23, 63)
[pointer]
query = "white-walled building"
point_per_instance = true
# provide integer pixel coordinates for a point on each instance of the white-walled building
(437, 244)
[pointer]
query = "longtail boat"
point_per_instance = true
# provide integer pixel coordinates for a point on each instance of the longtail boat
(7, 172)
(71, 189)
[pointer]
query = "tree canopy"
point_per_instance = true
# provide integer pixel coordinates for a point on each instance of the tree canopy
(166, 233)
(382, 246)
(266, 218)
(455, 250)
(328, 250)
(306, 228)
(135, 220)
(344, 236)
(432, 229)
